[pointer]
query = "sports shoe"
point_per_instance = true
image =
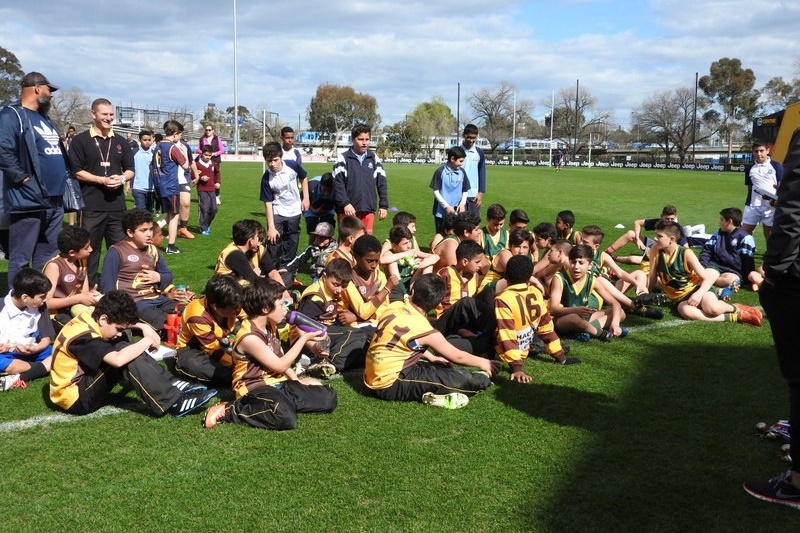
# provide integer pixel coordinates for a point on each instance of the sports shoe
(172, 249)
(206, 232)
(725, 293)
(215, 415)
(12, 381)
(184, 385)
(582, 337)
(454, 400)
(219, 200)
(623, 331)
(189, 402)
(748, 315)
(567, 361)
(777, 490)
(650, 298)
(321, 370)
(185, 233)
(606, 335)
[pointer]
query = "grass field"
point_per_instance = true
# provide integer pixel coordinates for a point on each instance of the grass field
(651, 433)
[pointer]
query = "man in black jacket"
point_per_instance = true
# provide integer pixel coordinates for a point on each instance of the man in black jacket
(35, 168)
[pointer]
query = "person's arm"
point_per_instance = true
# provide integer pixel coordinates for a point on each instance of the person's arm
(383, 188)
(708, 249)
(221, 147)
(637, 233)
(150, 340)
(615, 308)
(557, 309)
(10, 137)
(340, 195)
(708, 276)
(272, 233)
(440, 345)
(111, 265)
(240, 266)
(163, 270)
(747, 256)
(84, 297)
(481, 177)
(619, 272)
(254, 347)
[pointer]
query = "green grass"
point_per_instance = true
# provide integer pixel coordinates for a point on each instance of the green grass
(651, 433)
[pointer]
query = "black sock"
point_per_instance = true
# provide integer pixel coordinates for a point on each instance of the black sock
(37, 370)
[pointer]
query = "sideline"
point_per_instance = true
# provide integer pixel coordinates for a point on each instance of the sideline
(62, 418)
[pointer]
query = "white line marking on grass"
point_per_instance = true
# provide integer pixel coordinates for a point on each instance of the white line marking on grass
(661, 325)
(58, 418)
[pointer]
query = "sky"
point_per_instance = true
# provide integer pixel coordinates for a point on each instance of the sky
(181, 54)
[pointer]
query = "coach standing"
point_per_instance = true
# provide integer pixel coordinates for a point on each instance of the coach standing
(779, 296)
(34, 166)
(103, 162)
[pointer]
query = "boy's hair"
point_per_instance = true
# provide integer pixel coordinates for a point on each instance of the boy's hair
(261, 293)
(518, 236)
(581, 251)
(366, 244)
(519, 269)
(403, 218)
(350, 226)
(207, 149)
(326, 180)
(272, 150)
(449, 221)
(118, 306)
(398, 233)
(669, 210)
(31, 282)
(97, 102)
(133, 218)
(144, 132)
(672, 229)
(358, 129)
(518, 215)
(428, 291)
(734, 214)
(593, 231)
(158, 137)
(465, 223)
(470, 128)
(244, 230)
(285, 130)
(496, 212)
(72, 239)
(467, 250)
(758, 143)
(339, 269)
(223, 291)
(171, 127)
(562, 245)
(546, 230)
(567, 217)
(456, 152)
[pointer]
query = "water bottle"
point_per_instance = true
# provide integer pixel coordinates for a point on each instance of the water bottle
(304, 322)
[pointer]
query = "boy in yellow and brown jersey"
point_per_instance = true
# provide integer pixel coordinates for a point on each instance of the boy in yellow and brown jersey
(246, 258)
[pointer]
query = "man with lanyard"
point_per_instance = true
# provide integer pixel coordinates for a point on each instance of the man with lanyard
(34, 166)
(475, 167)
(103, 162)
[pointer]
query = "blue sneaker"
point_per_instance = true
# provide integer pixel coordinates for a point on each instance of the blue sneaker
(583, 337)
(725, 293)
(206, 232)
(623, 331)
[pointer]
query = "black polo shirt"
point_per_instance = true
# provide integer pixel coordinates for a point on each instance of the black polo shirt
(101, 156)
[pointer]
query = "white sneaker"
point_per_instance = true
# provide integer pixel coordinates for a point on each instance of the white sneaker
(12, 381)
(219, 201)
(454, 400)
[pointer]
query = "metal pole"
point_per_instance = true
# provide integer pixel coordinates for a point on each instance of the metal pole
(235, 89)
(694, 113)
(552, 120)
(514, 130)
(458, 113)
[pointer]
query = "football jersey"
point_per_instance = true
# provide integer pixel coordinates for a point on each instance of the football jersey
(677, 280)
(521, 313)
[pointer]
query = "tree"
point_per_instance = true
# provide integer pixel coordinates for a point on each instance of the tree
(731, 87)
(497, 111)
(576, 118)
(431, 120)
(70, 107)
(401, 137)
(779, 94)
(335, 109)
(10, 76)
(667, 119)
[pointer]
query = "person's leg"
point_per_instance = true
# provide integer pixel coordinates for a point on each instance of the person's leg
(265, 408)
(311, 398)
(25, 228)
(199, 366)
(47, 245)
(422, 377)
(95, 223)
(140, 199)
(348, 346)
(93, 390)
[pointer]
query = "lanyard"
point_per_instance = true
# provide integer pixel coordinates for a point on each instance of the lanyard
(104, 161)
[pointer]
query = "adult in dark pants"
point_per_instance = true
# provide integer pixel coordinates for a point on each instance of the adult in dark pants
(779, 295)
(103, 162)
(34, 166)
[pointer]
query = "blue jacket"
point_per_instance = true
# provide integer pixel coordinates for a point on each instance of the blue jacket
(19, 160)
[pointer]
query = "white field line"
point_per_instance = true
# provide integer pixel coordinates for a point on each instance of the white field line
(61, 418)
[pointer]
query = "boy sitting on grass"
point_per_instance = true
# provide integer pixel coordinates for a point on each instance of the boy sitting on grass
(320, 301)
(405, 261)
(350, 229)
(204, 349)
(684, 280)
(576, 301)
(522, 315)
(369, 288)
(400, 362)
(246, 258)
(730, 251)
(89, 359)
(69, 294)
(26, 332)
(494, 237)
(268, 393)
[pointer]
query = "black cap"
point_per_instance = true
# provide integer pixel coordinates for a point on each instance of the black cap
(32, 79)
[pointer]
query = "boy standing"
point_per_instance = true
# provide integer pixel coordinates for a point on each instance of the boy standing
(25, 330)
(208, 184)
(142, 187)
(169, 161)
(763, 174)
(400, 365)
(357, 174)
(282, 204)
(522, 315)
(475, 167)
(89, 360)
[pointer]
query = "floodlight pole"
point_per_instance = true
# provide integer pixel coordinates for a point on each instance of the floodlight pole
(514, 130)
(235, 89)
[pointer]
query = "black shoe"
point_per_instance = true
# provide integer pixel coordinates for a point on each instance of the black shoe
(187, 386)
(189, 402)
(777, 490)
(172, 249)
(650, 298)
(567, 361)
(649, 312)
